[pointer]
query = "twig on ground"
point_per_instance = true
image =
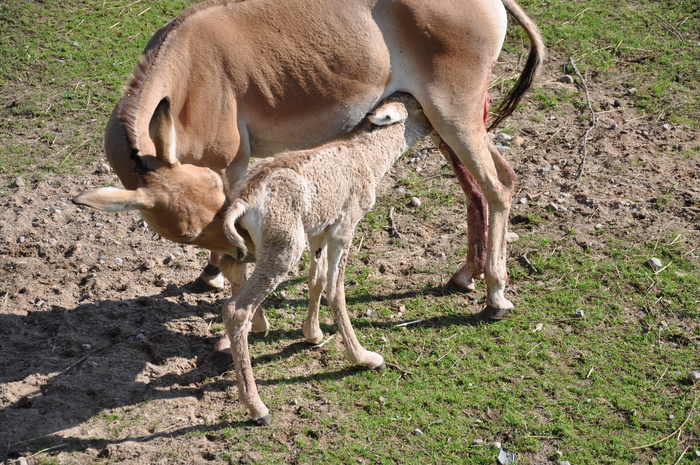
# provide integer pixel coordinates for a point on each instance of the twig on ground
(533, 348)
(397, 367)
(406, 323)
(528, 262)
(583, 150)
(392, 226)
(324, 342)
(682, 455)
(662, 377)
(690, 413)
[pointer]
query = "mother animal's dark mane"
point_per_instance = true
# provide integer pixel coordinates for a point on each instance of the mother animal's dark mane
(131, 96)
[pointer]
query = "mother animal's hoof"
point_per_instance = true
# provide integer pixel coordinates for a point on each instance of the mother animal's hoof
(200, 286)
(492, 314)
(459, 286)
(381, 366)
(263, 421)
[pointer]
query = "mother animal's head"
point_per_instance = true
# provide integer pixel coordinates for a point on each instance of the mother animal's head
(180, 202)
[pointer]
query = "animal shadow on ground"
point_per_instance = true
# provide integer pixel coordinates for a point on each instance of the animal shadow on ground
(60, 367)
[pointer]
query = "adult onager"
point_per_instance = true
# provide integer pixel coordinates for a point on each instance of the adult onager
(256, 77)
(320, 194)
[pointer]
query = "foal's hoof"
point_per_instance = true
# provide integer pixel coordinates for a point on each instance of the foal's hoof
(492, 314)
(263, 421)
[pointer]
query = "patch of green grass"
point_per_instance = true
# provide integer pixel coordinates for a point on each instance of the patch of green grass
(652, 44)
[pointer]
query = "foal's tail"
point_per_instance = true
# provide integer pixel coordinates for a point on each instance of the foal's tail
(235, 211)
(534, 61)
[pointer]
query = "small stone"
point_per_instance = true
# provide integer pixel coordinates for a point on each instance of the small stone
(417, 432)
(496, 445)
(696, 454)
(579, 314)
(666, 127)
(382, 340)
(368, 312)
(545, 169)
(87, 347)
(415, 201)
(21, 239)
(598, 226)
(552, 206)
(103, 168)
(511, 237)
(118, 261)
(617, 103)
(502, 148)
(161, 282)
(694, 376)
(654, 263)
(140, 337)
(564, 462)
(671, 416)
(556, 168)
(477, 442)
(523, 200)
(505, 457)
(612, 126)
(19, 182)
(22, 461)
(149, 264)
(566, 79)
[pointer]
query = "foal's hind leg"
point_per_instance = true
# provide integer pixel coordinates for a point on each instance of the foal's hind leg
(317, 283)
(337, 259)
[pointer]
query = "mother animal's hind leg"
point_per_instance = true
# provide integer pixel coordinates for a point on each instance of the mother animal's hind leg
(462, 128)
(464, 279)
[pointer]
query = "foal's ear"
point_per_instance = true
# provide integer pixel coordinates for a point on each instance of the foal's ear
(388, 113)
(112, 199)
(162, 131)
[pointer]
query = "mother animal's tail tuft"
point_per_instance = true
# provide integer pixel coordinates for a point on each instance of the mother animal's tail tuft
(533, 64)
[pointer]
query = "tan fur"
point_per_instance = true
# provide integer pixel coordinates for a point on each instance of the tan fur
(258, 77)
(321, 194)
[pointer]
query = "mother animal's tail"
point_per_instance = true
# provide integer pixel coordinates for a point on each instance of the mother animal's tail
(235, 211)
(534, 61)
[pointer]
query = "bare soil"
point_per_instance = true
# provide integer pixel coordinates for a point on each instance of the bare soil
(96, 320)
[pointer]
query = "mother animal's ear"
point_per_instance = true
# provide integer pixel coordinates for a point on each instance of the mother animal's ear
(162, 131)
(388, 113)
(112, 199)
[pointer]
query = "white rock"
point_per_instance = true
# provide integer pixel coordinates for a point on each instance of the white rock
(503, 137)
(417, 432)
(415, 201)
(654, 263)
(103, 168)
(694, 376)
(19, 182)
(566, 79)
(511, 237)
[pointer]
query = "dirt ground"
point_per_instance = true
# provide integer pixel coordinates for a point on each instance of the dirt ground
(95, 314)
